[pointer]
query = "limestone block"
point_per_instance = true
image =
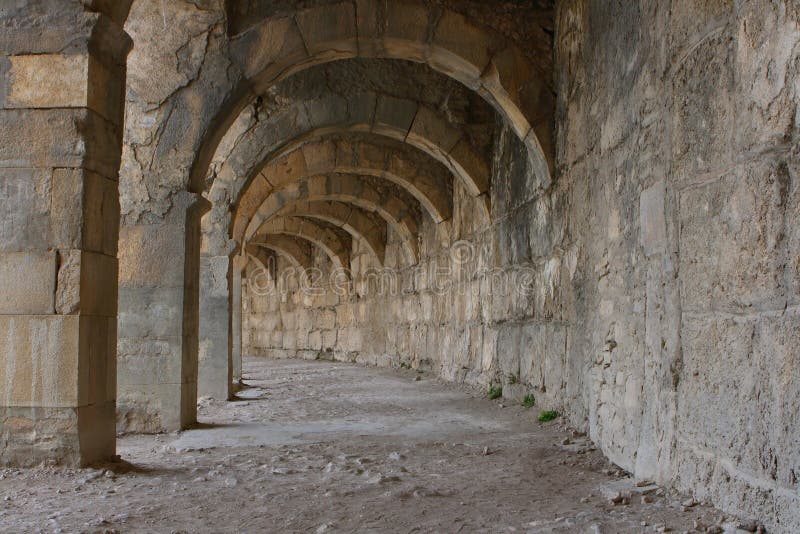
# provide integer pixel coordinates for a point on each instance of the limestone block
(329, 338)
(315, 340)
(25, 199)
(27, 282)
(652, 223)
(505, 81)
(268, 48)
(360, 112)
(106, 92)
(98, 284)
(214, 276)
(508, 349)
(317, 156)
(41, 138)
(111, 363)
(469, 163)
(39, 360)
(290, 339)
(332, 110)
(793, 230)
(301, 339)
(393, 29)
(731, 240)
(101, 139)
(460, 49)
(149, 407)
(99, 198)
(370, 155)
(276, 339)
(394, 116)
(543, 357)
(48, 81)
(68, 285)
(150, 313)
(330, 28)
(35, 434)
(304, 320)
(148, 361)
(286, 169)
(489, 350)
(766, 83)
(431, 132)
(703, 113)
(151, 255)
(326, 320)
(97, 361)
(748, 363)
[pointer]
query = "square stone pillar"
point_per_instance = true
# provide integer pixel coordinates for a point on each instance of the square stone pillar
(158, 319)
(62, 72)
(215, 367)
(220, 354)
(236, 322)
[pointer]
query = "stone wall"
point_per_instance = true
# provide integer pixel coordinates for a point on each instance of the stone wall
(662, 316)
(678, 143)
(481, 306)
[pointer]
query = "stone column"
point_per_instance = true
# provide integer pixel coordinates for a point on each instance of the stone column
(62, 85)
(236, 317)
(220, 358)
(158, 319)
(214, 374)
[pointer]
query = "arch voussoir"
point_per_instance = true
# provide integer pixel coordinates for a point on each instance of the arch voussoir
(335, 246)
(356, 221)
(445, 40)
(337, 187)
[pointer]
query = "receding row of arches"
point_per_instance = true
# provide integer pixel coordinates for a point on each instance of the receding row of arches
(350, 124)
(334, 133)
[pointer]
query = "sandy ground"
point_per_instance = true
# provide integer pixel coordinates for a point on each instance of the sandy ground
(329, 447)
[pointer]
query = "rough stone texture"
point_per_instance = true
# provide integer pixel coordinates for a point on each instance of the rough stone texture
(677, 136)
(61, 105)
(640, 274)
(664, 258)
(477, 307)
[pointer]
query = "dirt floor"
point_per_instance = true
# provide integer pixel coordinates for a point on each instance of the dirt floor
(329, 447)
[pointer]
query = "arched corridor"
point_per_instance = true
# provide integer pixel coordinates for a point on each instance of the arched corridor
(585, 204)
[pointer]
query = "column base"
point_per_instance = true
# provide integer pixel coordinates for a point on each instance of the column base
(74, 437)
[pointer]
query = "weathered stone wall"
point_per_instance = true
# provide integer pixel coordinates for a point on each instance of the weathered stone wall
(678, 144)
(649, 291)
(481, 306)
(197, 68)
(663, 317)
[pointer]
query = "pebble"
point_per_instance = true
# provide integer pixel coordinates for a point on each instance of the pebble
(749, 526)
(620, 498)
(282, 471)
